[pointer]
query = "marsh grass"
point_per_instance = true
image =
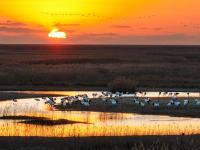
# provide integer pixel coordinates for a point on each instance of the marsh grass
(66, 125)
(103, 143)
(122, 84)
(47, 131)
(96, 66)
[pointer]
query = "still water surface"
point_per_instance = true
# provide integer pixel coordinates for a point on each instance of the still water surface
(89, 93)
(88, 123)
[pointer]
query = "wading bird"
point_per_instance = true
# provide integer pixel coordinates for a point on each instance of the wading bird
(85, 101)
(14, 100)
(177, 104)
(147, 100)
(37, 99)
(197, 102)
(94, 95)
(50, 101)
(185, 102)
(114, 101)
(136, 101)
(156, 104)
(142, 104)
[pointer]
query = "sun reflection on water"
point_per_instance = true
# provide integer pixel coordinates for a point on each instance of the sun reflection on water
(88, 123)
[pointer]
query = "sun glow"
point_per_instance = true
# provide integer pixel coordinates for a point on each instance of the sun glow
(55, 33)
(48, 13)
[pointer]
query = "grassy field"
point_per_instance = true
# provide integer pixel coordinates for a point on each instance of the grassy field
(102, 143)
(66, 66)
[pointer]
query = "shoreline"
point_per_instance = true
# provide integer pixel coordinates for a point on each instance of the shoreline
(89, 88)
(127, 106)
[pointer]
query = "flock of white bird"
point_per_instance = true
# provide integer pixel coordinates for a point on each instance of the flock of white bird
(113, 98)
(172, 102)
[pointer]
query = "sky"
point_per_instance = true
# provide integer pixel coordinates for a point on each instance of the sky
(149, 22)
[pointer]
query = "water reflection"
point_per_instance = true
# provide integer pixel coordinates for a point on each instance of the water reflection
(87, 123)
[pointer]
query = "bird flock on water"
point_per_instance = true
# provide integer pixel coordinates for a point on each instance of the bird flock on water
(114, 99)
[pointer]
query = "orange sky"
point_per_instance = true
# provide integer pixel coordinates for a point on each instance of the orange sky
(101, 21)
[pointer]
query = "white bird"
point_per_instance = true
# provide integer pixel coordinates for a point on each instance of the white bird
(37, 99)
(169, 104)
(64, 103)
(105, 93)
(170, 93)
(63, 99)
(49, 101)
(197, 102)
(85, 101)
(142, 104)
(113, 101)
(14, 100)
(119, 94)
(102, 97)
(185, 102)
(110, 94)
(174, 98)
(147, 100)
(136, 101)
(94, 95)
(156, 104)
(177, 104)
(87, 104)
(165, 93)
(70, 102)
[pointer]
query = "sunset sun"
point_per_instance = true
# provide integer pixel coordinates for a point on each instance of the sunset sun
(55, 33)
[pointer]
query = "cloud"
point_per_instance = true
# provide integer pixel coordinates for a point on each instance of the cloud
(172, 38)
(146, 17)
(101, 34)
(165, 39)
(144, 28)
(11, 23)
(157, 29)
(70, 31)
(11, 27)
(22, 39)
(154, 29)
(121, 26)
(67, 25)
(70, 14)
(18, 29)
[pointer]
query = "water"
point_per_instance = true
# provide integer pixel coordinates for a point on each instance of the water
(88, 123)
(89, 93)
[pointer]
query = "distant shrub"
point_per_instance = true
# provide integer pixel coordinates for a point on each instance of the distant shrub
(122, 84)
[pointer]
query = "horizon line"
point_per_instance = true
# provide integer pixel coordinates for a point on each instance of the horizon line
(102, 44)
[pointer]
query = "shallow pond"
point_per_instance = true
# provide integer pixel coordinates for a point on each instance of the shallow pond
(29, 120)
(89, 93)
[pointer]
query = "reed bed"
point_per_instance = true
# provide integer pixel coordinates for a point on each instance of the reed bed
(77, 124)
(96, 66)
